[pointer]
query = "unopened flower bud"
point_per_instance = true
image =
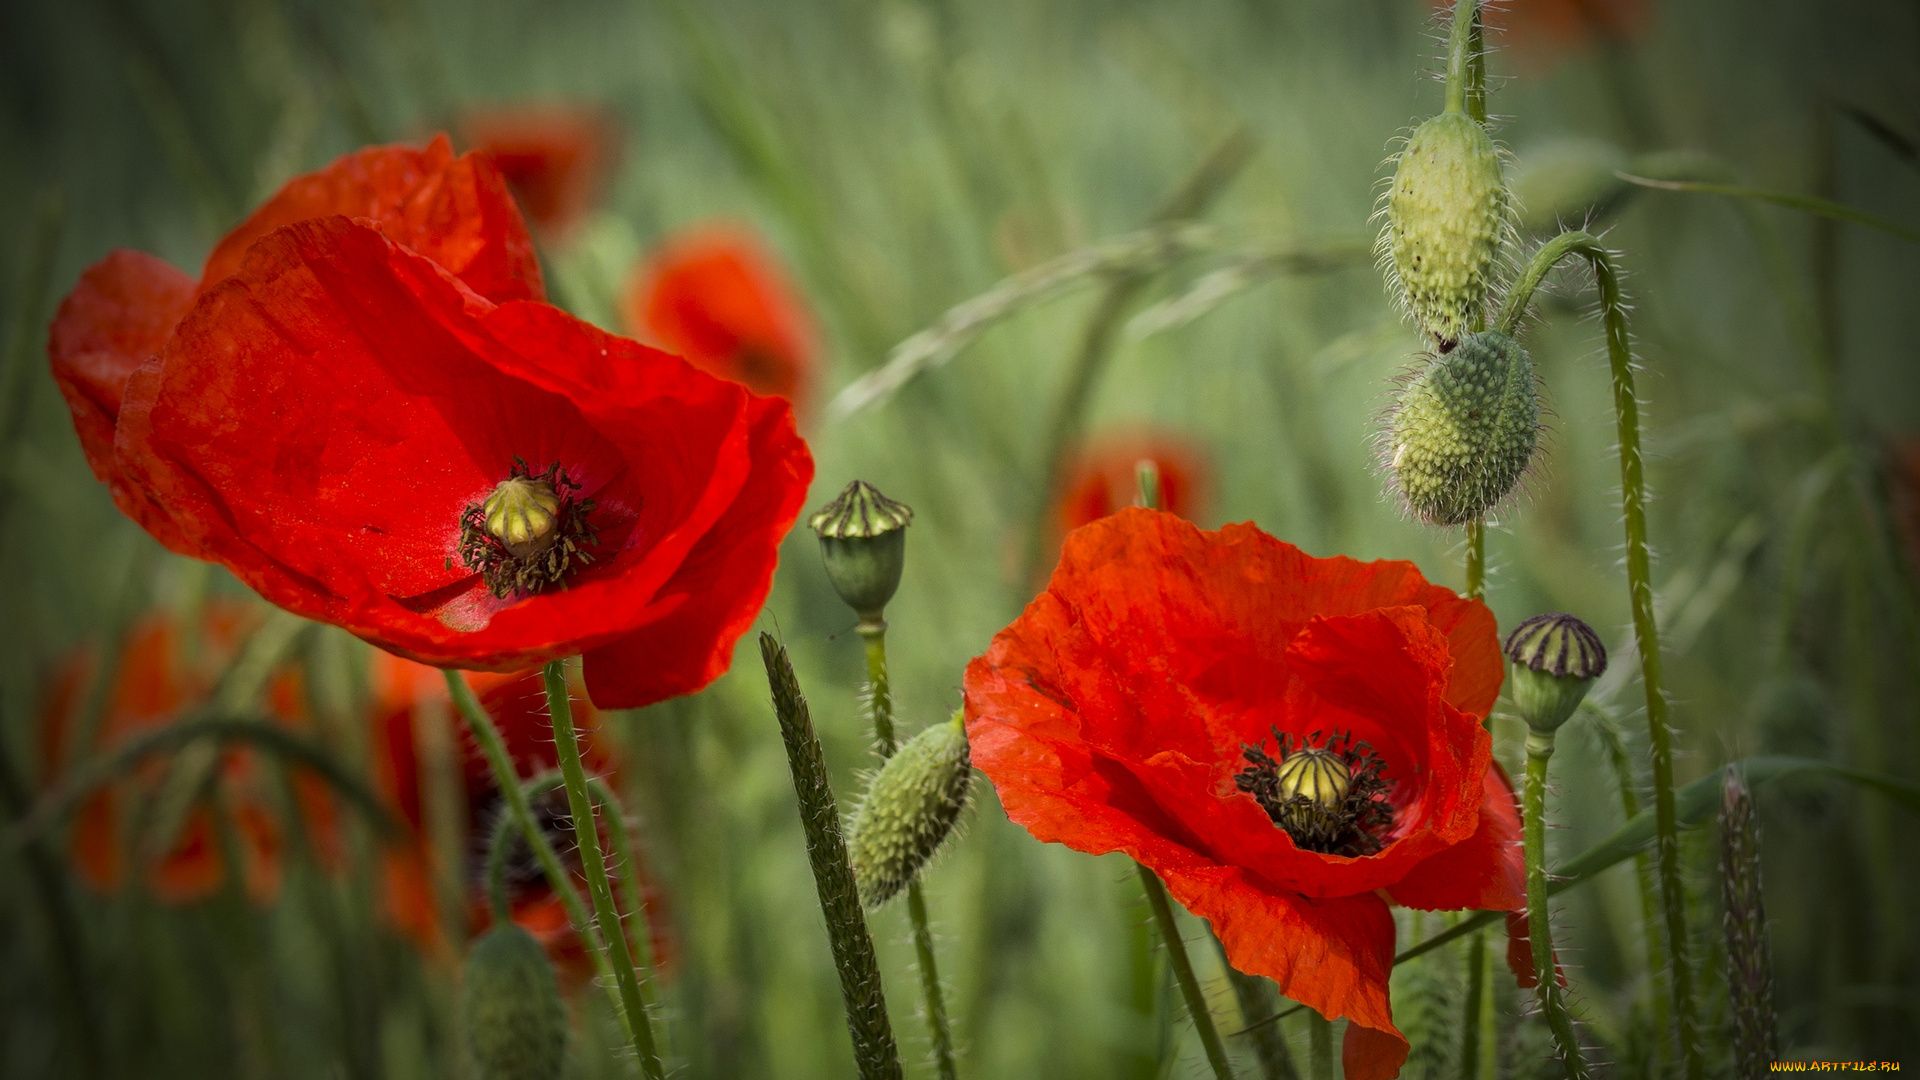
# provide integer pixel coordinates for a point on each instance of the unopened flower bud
(1446, 213)
(523, 513)
(863, 537)
(1555, 659)
(1465, 429)
(909, 810)
(510, 1005)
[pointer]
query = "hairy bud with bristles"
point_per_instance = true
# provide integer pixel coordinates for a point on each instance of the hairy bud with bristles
(910, 810)
(1446, 216)
(510, 1006)
(1465, 430)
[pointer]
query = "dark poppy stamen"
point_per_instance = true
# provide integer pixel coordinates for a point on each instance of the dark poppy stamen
(529, 533)
(1328, 795)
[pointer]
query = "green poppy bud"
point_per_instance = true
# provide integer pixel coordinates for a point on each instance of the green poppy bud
(1446, 214)
(1465, 429)
(909, 810)
(1555, 659)
(510, 1004)
(863, 540)
(1570, 183)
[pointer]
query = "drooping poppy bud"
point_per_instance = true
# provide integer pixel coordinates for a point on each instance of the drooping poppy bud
(1555, 659)
(909, 810)
(863, 540)
(510, 1004)
(1465, 429)
(1446, 213)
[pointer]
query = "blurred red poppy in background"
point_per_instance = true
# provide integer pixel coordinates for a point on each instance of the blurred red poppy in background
(453, 210)
(1287, 741)
(165, 668)
(554, 157)
(1104, 476)
(408, 695)
(715, 295)
(1903, 489)
(1540, 32)
(415, 426)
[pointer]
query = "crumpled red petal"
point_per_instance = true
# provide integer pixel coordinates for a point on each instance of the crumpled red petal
(412, 396)
(118, 315)
(454, 210)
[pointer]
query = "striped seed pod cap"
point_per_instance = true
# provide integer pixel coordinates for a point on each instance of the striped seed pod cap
(1555, 659)
(863, 543)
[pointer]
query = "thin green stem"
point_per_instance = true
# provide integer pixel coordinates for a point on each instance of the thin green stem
(1476, 998)
(1476, 558)
(1539, 921)
(1258, 997)
(874, 633)
(587, 835)
(1461, 54)
(880, 692)
(1633, 499)
(1806, 204)
(520, 809)
(930, 984)
(861, 991)
(1647, 888)
(1183, 972)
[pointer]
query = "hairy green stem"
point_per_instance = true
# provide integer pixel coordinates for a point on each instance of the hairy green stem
(1476, 558)
(1633, 499)
(875, 635)
(1646, 887)
(1258, 997)
(861, 991)
(587, 835)
(614, 814)
(1462, 55)
(1183, 972)
(520, 810)
(1539, 922)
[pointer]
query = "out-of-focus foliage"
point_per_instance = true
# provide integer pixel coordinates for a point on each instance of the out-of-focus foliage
(903, 156)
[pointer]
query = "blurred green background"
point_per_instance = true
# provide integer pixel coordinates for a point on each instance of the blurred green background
(901, 157)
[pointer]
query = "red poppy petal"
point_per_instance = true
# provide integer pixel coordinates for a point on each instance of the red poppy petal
(1331, 955)
(715, 296)
(120, 313)
(414, 394)
(722, 585)
(1487, 871)
(455, 211)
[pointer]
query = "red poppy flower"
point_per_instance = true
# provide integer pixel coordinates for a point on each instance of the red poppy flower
(159, 675)
(1104, 477)
(455, 211)
(715, 296)
(553, 157)
(1287, 741)
(366, 441)
(518, 705)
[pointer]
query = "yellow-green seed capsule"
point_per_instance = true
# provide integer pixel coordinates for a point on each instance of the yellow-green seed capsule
(522, 512)
(1445, 216)
(1465, 429)
(909, 810)
(510, 1005)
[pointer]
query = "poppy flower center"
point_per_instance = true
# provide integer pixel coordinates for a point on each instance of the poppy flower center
(1330, 797)
(529, 533)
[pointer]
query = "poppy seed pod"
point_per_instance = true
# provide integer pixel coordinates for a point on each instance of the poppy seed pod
(909, 810)
(1446, 212)
(516, 1024)
(1555, 659)
(863, 541)
(1465, 429)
